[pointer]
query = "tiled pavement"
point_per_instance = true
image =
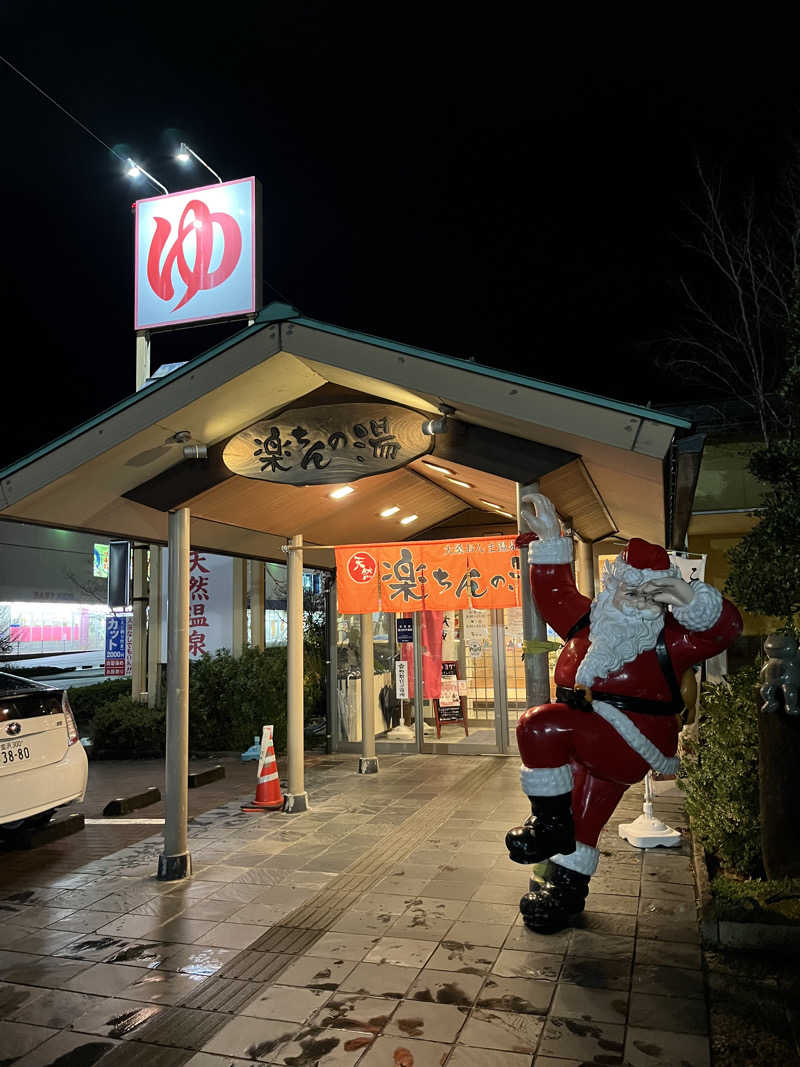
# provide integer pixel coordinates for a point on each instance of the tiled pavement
(380, 928)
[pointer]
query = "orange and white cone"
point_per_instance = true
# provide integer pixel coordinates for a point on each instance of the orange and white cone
(268, 789)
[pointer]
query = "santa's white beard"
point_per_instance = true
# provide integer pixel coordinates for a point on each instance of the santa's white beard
(616, 637)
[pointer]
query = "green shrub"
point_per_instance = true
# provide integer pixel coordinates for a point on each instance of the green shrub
(128, 730)
(86, 699)
(756, 901)
(720, 774)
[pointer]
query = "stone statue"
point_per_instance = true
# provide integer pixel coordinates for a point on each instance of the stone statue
(781, 675)
(618, 699)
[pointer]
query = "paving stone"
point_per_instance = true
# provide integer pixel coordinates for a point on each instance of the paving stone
(342, 946)
(589, 1004)
(400, 1050)
(512, 963)
(662, 953)
(660, 1048)
(231, 935)
(445, 987)
(287, 1003)
(491, 935)
(314, 972)
(252, 1039)
(600, 945)
(161, 987)
(403, 952)
(668, 1013)
(464, 1056)
(113, 1017)
(665, 928)
(668, 981)
(55, 1008)
(596, 973)
(346, 1011)
(521, 939)
(463, 959)
(503, 1030)
(379, 980)
(66, 1048)
(611, 903)
(621, 925)
(587, 1042)
(529, 996)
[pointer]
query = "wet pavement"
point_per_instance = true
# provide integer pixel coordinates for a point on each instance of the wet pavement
(379, 928)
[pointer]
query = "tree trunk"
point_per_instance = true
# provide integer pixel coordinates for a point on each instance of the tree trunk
(779, 774)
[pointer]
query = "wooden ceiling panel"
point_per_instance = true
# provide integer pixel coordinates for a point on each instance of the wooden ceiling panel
(310, 510)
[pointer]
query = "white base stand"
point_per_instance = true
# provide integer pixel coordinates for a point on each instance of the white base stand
(647, 831)
(401, 733)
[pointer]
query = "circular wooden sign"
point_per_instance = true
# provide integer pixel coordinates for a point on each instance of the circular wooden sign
(329, 444)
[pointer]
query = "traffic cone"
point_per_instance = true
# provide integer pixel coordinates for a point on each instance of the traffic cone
(268, 790)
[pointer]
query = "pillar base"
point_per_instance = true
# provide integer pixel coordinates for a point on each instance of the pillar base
(173, 868)
(294, 803)
(367, 764)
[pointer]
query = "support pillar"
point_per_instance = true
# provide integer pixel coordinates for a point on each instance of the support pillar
(258, 625)
(296, 798)
(175, 861)
(155, 622)
(334, 723)
(584, 558)
(239, 639)
(142, 358)
(537, 673)
(139, 650)
(368, 762)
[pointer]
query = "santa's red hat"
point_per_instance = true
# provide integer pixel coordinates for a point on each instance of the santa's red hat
(643, 556)
(637, 563)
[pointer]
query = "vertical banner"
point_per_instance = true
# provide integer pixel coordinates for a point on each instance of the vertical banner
(119, 635)
(210, 603)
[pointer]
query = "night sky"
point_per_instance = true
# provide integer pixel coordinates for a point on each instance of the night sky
(513, 191)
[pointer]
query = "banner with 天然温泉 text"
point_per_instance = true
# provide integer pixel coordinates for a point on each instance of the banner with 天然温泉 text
(482, 572)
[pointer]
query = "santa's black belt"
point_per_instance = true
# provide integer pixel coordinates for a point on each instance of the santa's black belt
(577, 699)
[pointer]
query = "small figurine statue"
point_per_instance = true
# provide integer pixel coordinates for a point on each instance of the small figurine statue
(781, 675)
(618, 695)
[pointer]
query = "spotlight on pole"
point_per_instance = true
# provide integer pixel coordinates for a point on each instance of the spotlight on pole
(185, 153)
(135, 169)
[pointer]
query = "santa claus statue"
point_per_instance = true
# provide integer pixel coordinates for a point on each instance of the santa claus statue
(618, 694)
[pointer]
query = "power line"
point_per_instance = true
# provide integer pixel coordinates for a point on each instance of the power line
(69, 114)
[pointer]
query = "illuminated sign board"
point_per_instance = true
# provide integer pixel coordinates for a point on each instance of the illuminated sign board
(100, 561)
(198, 255)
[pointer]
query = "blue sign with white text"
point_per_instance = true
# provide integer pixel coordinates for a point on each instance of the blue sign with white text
(405, 631)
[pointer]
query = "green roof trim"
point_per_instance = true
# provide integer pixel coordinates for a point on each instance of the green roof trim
(279, 312)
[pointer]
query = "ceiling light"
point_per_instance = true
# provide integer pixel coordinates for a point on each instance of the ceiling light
(182, 155)
(408, 519)
(133, 171)
(337, 494)
(465, 485)
(389, 511)
(489, 504)
(435, 467)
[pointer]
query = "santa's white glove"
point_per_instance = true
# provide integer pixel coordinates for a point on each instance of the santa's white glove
(695, 605)
(539, 515)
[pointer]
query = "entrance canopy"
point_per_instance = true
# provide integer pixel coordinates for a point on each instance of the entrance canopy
(602, 462)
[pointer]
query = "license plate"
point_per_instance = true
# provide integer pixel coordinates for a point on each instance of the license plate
(13, 753)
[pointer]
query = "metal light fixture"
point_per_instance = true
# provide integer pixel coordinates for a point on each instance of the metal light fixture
(464, 485)
(185, 154)
(408, 519)
(389, 511)
(345, 490)
(136, 169)
(489, 504)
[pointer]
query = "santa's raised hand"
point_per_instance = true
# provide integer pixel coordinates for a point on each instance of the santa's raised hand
(539, 515)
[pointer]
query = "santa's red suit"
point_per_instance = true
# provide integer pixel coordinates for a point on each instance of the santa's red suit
(596, 748)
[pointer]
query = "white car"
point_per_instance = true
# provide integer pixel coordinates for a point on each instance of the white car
(42, 763)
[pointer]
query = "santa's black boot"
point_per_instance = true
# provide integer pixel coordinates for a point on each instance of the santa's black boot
(549, 831)
(552, 904)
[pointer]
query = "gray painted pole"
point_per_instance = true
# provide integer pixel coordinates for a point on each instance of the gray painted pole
(537, 673)
(140, 597)
(334, 723)
(154, 629)
(368, 763)
(239, 641)
(296, 799)
(257, 618)
(175, 861)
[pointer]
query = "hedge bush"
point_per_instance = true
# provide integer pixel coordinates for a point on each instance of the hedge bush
(229, 702)
(128, 730)
(720, 774)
